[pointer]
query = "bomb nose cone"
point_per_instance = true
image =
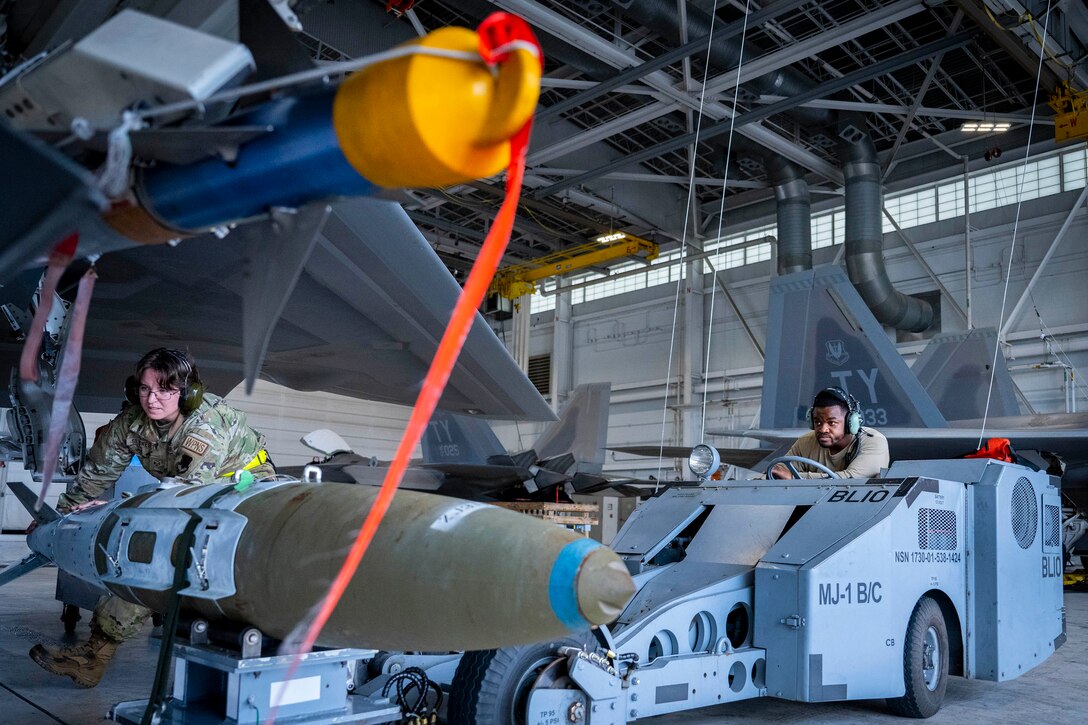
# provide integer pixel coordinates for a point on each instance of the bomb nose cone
(589, 585)
(604, 586)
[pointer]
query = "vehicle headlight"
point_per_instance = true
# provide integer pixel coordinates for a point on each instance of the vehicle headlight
(704, 460)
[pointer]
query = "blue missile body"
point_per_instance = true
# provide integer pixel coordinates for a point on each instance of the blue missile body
(299, 161)
(418, 120)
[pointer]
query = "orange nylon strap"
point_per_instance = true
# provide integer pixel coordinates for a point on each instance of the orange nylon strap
(449, 348)
(464, 312)
(67, 380)
(59, 259)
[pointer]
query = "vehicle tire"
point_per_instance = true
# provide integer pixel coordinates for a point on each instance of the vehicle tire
(69, 614)
(491, 687)
(925, 662)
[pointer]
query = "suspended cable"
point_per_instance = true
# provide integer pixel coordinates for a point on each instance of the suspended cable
(1047, 334)
(684, 238)
(721, 223)
(1015, 224)
(323, 74)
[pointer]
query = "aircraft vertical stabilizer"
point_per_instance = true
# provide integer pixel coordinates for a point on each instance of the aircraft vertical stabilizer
(821, 334)
(456, 438)
(582, 429)
(580, 435)
(955, 368)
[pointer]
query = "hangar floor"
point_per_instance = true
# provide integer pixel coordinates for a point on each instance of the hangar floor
(1054, 692)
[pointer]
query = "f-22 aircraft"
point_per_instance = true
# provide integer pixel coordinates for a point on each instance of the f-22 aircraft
(462, 456)
(322, 292)
(821, 334)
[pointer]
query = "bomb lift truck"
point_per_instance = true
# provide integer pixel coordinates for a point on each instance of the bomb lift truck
(809, 590)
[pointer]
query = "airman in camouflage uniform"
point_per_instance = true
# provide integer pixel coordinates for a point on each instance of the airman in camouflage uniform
(177, 430)
(208, 444)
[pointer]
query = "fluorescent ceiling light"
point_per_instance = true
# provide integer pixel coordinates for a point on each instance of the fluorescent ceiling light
(985, 126)
(613, 237)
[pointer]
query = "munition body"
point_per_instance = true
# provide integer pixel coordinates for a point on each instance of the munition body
(441, 574)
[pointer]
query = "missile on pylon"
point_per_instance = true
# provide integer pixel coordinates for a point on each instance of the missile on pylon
(155, 95)
(442, 574)
(419, 120)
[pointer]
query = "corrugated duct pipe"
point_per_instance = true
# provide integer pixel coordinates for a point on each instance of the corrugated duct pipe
(660, 16)
(794, 210)
(865, 235)
(864, 195)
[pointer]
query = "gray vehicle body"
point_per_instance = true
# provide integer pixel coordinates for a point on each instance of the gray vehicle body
(731, 608)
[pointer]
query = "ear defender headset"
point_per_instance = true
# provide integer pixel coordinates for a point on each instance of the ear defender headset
(853, 408)
(191, 394)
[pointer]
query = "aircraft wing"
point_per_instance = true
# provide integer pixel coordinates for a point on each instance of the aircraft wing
(364, 319)
(934, 443)
(1071, 444)
(743, 457)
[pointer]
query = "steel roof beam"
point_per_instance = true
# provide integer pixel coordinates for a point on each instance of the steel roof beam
(752, 69)
(898, 110)
(760, 114)
(637, 72)
(655, 178)
(555, 24)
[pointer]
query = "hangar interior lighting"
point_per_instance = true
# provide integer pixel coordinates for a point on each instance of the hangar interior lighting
(985, 126)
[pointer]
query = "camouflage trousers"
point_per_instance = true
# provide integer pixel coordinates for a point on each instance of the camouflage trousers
(117, 619)
(263, 471)
(260, 473)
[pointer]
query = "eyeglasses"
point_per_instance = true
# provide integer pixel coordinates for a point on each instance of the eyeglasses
(146, 392)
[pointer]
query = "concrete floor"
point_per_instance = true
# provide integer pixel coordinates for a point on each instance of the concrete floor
(1055, 692)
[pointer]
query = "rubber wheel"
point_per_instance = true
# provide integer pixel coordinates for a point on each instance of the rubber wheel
(925, 662)
(69, 614)
(491, 687)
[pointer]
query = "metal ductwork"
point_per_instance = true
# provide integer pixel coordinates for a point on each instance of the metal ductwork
(864, 193)
(790, 187)
(794, 214)
(865, 236)
(661, 17)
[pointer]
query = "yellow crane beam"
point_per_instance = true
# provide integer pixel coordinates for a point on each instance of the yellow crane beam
(516, 280)
(1071, 117)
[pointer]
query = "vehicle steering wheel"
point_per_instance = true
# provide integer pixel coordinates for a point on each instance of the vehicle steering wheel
(788, 462)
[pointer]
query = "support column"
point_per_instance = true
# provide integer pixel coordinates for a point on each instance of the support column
(521, 324)
(562, 350)
(967, 243)
(692, 356)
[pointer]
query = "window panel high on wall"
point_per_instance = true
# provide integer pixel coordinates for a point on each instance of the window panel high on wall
(1074, 168)
(1018, 181)
(541, 302)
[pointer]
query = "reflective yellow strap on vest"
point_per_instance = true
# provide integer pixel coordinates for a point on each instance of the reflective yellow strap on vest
(259, 459)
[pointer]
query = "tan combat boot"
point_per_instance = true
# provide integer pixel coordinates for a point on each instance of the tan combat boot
(84, 662)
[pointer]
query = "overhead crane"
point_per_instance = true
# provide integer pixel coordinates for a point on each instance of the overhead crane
(1071, 109)
(519, 279)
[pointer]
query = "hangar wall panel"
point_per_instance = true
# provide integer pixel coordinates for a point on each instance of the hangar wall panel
(625, 338)
(284, 416)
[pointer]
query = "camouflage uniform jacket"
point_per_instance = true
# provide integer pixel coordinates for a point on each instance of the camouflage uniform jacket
(212, 440)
